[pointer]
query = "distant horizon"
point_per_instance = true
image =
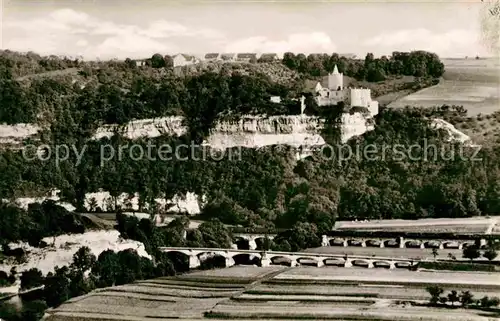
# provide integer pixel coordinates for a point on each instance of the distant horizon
(362, 57)
(140, 28)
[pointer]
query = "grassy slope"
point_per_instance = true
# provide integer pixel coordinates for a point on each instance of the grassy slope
(471, 83)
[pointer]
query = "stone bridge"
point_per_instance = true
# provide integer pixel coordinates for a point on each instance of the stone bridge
(252, 238)
(399, 242)
(267, 257)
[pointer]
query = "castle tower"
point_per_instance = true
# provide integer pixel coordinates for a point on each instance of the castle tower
(336, 80)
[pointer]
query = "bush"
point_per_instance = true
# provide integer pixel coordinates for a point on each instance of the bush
(31, 279)
(456, 266)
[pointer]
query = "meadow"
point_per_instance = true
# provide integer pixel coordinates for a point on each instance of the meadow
(471, 83)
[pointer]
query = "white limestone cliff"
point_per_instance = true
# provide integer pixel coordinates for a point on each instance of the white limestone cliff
(154, 127)
(248, 131)
(14, 134)
(453, 134)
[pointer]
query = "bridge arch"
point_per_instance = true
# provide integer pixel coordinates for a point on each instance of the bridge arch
(312, 260)
(337, 242)
(391, 243)
(467, 244)
(452, 245)
(281, 259)
(413, 244)
(383, 264)
(374, 243)
(402, 265)
(361, 262)
(245, 258)
(242, 243)
(260, 242)
(354, 242)
(432, 244)
(334, 261)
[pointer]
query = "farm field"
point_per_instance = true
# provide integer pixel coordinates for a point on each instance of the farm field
(269, 291)
(284, 293)
(292, 310)
(481, 280)
(471, 83)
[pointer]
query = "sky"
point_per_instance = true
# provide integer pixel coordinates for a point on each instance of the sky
(107, 29)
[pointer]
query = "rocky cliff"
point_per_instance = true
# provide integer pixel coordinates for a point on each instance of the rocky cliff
(12, 135)
(248, 131)
(145, 128)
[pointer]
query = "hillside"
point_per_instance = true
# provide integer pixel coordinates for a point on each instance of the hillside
(266, 185)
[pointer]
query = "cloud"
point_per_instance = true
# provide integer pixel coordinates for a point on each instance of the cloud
(70, 17)
(82, 43)
(68, 32)
(458, 42)
(300, 42)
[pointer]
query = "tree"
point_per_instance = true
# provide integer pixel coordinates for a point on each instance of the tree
(490, 254)
(434, 253)
(130, 63)
(57, 286)
(453, 297)
(106, 269)
(487, 302)
(33, 310)
(471, 252)
(158, 61)
(443, 300)
(266, 243)
(466, 298)
(494, 302)
(9, 311)
(435, 291)
(83, 259)
(215, 234)
(31, 278)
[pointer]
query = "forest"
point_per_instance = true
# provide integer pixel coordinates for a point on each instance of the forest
(267, 187)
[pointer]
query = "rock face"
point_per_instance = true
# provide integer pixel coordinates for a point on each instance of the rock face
(190, 203)
(248, 131)
(296, 131)
(254, 132)
(145, 128)
(13, 134)
(453, 134)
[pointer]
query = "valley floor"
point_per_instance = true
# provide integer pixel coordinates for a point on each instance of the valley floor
(276, 292)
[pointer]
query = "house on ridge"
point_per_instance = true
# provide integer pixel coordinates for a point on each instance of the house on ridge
(268, 57)
(227, 56)
(246, 57)
(184, 60)
(211, 57)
